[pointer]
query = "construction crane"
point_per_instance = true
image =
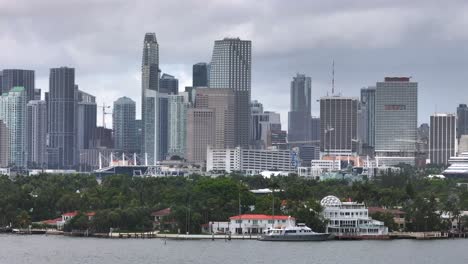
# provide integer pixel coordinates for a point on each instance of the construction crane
(104, 113)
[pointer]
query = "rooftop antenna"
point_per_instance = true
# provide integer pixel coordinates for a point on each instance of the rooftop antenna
(333, 77)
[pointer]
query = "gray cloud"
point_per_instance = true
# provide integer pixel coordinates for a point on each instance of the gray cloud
(368, 39)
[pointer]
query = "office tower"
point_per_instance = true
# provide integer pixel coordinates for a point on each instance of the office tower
(278, 139)
(315, 129)
(362, 123)
(4, 145)
(462, 120)
(200, 75)
(230, 68)
(442, 139)
(368, 104)
(103, 138)
(123, 123)
(396, 120)
(222, 101)
(37, 94)
(138, 135)
(261, 127)
(1, 81)
(150, 96)
(177, 125)
(338, 125)
(13, 113)
(61, 114)
(86, 119)
(201, 131)
(37, 133)
(168, 84)
(163, 126)
(18, 78)
(300, 109)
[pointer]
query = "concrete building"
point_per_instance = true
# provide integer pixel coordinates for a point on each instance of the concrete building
(278, 139)
(338, 125)
(61, 117)
(14, 116)
(462, 120)
(37, 134)
(315, 129)
(201, 133)
(200, 75)
(231, 68)
(443, 138)
(177, 125)
(396, 120)
(4, 145)
(86, 119)
(168, 84)
(18, 78)
(251, 161)
(300, 109)
(368, 105)
(123, 123)
(261, 126)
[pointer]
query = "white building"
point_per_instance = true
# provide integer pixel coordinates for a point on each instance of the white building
(249, 224)
(350, 219)
(177, 125)
(249, 160)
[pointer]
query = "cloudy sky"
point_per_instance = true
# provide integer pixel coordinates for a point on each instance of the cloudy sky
(368, 39)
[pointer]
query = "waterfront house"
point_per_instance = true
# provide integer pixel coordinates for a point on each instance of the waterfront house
(351, 220)
(398, 215)
(249, 224)
(164, 220)
(69, 215)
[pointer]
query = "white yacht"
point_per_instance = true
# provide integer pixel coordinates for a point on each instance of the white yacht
(293, 233)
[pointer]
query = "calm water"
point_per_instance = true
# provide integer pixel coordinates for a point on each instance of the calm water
(58, 249)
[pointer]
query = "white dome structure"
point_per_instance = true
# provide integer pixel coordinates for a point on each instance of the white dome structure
(330, 201)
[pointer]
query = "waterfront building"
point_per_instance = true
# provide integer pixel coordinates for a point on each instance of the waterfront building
(200, 75)
(201, 133)
(338, 125)
(14, 115)
(86, 119)
(168, 84)
(462, 120)
(249, 224)
(61, 117)
(300, 109)
(443, 138)
(231, 68)
(18, 78)
(37, 133)
(177, 125)
(396, 117)
(350, 219)
(123, 123)
(250, 161)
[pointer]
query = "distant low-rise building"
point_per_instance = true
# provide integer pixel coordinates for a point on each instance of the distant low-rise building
(249, 224)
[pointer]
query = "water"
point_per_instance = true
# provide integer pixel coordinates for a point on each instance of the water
(15, 249)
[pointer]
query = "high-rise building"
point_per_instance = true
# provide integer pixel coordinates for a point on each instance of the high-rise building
(168, 84)
(230, 68)
(86, 119)
(123, 123)
(261, 127)
(150, 96)
(462, 120)
(1, 81)
(278, 139)
(300, 109)
(37, 94)
(14, 115)
(4, 145)
(396, 121)
(177, 125)
(37, 133)
(139, 135)
(18, 78)
(61, 117)
(200, 75)
(256, 107)
(315, 129)
(222, 101)
(443, 137)
(338, 125)
(201, 131)
(163, 126)
(368, 105)
(103, 138)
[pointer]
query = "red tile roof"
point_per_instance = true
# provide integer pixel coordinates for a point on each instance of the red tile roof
(260, 217)
(383, 210)
(74, 213)
(52, 221)
(163, 212)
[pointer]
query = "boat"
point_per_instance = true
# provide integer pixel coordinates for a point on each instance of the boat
(300, 232)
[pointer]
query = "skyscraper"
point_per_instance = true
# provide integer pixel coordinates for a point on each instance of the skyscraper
(462, 120)
(300, 109)
(338, 125)
(150, 96)
(163, 126)
(443, 137)
(123, 123)
(168, 84)
(368, 104)
(18, 78)
(396, 121)
(177, 125)
(61, 113)
(315, 129)
(262, 125)
(13, 113)
(231, 67)
(4, 145)
(86, 119)
(200, 75)
(37, 133)
(201, 133)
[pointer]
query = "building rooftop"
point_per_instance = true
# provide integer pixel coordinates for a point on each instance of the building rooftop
(260, 217)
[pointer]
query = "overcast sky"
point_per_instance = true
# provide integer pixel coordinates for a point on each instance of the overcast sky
(368, 40)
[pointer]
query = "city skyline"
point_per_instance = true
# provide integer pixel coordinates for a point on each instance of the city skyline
(364, 52)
